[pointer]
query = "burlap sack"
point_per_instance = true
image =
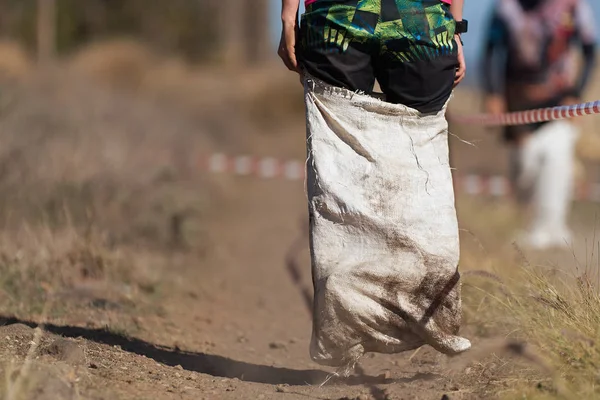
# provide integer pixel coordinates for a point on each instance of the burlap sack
(384, 234)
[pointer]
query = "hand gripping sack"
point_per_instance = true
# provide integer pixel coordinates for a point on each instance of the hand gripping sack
(383, 228)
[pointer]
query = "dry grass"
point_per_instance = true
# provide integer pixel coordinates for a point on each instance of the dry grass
(261, 99)
(562, 317)
(122, 63)
(98, 192)
(552, 310)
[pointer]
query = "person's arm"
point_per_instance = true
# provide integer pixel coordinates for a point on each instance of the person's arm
(289, 33)
(456, 8)
(493, 69)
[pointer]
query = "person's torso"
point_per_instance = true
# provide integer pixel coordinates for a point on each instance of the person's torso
(540, 40)
(540, 65)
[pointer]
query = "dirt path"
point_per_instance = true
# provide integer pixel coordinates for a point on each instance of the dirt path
(231, 327)
(251, 322)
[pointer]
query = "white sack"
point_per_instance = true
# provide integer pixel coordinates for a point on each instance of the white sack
(542, 171)
(384, 234)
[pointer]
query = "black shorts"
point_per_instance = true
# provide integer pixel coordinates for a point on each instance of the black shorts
(407, 45)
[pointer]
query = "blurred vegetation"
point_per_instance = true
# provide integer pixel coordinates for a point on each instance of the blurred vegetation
(199, 30)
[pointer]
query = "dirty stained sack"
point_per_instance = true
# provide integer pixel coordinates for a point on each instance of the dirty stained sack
(384, 234)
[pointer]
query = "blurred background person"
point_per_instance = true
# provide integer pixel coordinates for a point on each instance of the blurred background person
(528, 63)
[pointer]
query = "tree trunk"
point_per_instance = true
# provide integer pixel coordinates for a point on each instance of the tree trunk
(232, 30)
(257, 31)
(46, 31)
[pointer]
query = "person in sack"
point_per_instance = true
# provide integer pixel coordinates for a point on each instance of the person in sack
(528, 64)
(383, 228)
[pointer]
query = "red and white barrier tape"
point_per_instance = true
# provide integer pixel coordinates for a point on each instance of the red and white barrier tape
(530, 116)
(499, 186)
(496, 186)
(264, 168)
